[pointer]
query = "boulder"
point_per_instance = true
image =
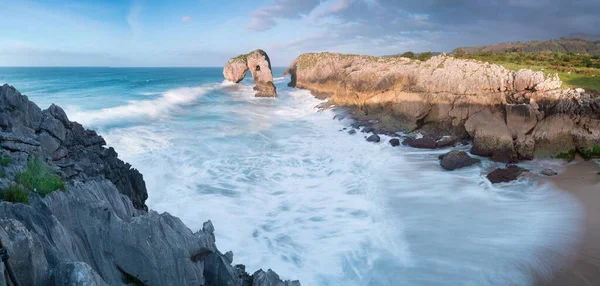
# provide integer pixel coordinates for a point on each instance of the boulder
(456, 160)
(503, 175)
(259, 64)
(421, 143)
(395, 142)
(352, 132)
(491, 136)
(374, 138)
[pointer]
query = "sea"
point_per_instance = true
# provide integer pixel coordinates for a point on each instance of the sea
(288, 188)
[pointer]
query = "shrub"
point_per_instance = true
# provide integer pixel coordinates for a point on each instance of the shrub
(39, 178)
(424, 56)
(409, 55)
(16, 194)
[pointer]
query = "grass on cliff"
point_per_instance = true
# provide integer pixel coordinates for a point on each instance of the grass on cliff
(575, 70)
(16, 194)
(39, 178)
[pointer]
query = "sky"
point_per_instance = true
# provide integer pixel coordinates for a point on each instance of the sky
(175, 33)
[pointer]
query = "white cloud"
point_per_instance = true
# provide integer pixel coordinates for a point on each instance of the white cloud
(265, 18)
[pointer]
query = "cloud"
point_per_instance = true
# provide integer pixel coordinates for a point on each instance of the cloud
(133, 18)
(186, 19)
(266, 18)
(392, 26)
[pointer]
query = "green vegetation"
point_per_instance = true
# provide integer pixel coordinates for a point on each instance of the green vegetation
(4, 160)
(408, 54)
(39, 178)
(16, 194)
(575, 70)
(588, 154)
(568, 156)
(421, 56)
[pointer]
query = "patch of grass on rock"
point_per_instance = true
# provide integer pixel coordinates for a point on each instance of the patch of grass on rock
(16, 194)
(39, 178)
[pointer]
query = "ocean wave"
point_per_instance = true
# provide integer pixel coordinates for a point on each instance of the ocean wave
(140, 110)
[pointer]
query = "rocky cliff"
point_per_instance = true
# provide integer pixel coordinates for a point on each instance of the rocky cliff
(97, 231)
(508, 115)
(259, 64)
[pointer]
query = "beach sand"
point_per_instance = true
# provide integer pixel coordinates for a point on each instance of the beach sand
(582, 180)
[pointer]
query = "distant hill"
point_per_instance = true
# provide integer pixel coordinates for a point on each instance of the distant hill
(575, 45)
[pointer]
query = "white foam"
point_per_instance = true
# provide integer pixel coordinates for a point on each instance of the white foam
(142, 110)
(286, 190)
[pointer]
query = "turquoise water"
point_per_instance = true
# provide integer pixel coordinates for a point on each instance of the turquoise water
(288, 190)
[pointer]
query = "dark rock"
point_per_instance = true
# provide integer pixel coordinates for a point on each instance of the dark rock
(446, 141)
(368, 129)
(421, 143)
(549, 172)
(53, 126)
(395, 142)
(503, 175)
(49, 143)
(270, 278)
(374, 138)
(352, 132)
(456, 160)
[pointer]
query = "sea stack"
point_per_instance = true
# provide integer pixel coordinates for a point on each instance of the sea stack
(259, 64)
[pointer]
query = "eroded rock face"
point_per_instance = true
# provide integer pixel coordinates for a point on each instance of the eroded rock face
(259, 64)
(98, 231)
(509, 115)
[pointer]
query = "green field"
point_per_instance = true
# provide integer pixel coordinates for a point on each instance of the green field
(575, 70)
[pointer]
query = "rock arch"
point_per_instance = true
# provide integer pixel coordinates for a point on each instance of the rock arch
(259, 64)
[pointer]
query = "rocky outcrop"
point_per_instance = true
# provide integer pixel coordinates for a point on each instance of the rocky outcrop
(98, 231)
(259, 64)
(509, 115)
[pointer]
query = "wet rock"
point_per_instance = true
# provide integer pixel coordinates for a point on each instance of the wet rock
(549, 172)
(421, 143)
(491, 136)
(394, 142)
(352, 132)
(456, 160)
(446, 141)
(503, 175)
(374, 138)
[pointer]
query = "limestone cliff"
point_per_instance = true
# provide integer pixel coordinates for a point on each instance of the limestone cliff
(98, 231)
(509, 115)
(259, 64)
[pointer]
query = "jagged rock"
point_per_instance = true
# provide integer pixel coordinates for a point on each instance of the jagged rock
(456, 160)
(503, 175)
(527, 79)
(270, 278)
(549, 172)
(395, 142)
(75, 274)
(374, 138)
(259, 64)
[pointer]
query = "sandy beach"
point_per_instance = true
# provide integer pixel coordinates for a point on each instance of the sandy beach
(582, 180)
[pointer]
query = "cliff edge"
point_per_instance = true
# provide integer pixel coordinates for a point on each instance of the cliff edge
(509, 115)
(97, 230)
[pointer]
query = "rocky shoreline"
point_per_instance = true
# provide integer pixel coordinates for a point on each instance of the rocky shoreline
(509, 116)
(98, 231)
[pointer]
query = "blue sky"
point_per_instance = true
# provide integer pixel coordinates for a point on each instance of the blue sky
(208, 32)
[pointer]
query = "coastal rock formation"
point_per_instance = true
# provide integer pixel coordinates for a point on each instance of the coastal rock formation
(456, 160)
(509, 115)
(98, 231)
(504, 175)
(259, 64)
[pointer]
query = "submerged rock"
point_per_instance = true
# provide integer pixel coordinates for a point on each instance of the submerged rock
(374, 138)
(503, 175)
(259, 64)
(549, 172)
(421, 143)
(352, 132)
(456, 160)
(395, 142)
